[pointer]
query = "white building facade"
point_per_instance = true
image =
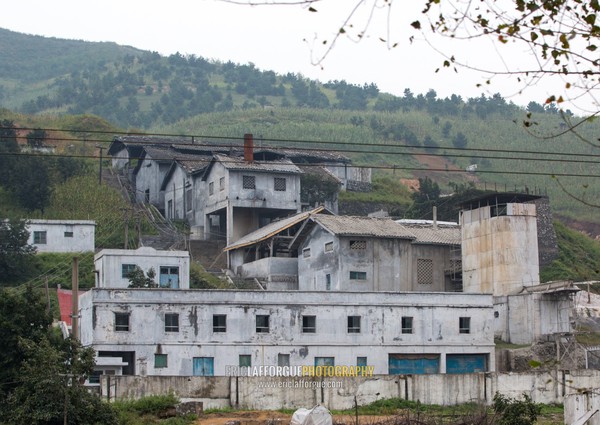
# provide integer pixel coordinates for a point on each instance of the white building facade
(62, 235)
(112, 267)
(207, 332)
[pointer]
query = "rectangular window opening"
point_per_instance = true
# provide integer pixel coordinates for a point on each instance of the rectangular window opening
(245, 360)
(249, 182)
(280, 184)
(407, 325)
(309, 324)
(358, 245)
(171, 322)
(354, 275)
(283, 359)
(262, 323)
(424, 271)
(160, 360)
(329, 247)
(127, 269)
(219, 323)
(39, 237)
(68, 234)
(122, 322)
(211, 188)
(353, 324)
(306, 252)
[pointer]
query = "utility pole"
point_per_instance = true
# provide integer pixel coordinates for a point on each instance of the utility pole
(100, 168)
(75, 298)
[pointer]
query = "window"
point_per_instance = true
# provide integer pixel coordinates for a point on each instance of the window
(211, 188)
(160, 360)
(249, 182)
(188, 199)
(328, 282)
(361, 362)
(407, 325)
(358, 275)
(171, 322)
(245, 360)
(324, 361)
(127, 269)
(283, 359)
(147, 196)
(94, 377)
(169, 277)
(358, 245)
(39, 237)
(222, 183)
(353, 324)
(68, 234)
(122, 322)
(219, 323)
(262, 323)
(309, 324)
(464, 325)
(424, 271)
(329, 247)
(306, 252)
(279, 184)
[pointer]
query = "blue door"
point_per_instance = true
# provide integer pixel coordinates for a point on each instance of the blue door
(204, 366)
(413, 364)
(169, 277)
(466, 363)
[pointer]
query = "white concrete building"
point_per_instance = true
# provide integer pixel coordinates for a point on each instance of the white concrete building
(112, 267)
(203, 332)
(62, 235)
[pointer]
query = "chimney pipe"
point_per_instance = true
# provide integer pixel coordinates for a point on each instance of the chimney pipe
(435, 217)
(248, 148)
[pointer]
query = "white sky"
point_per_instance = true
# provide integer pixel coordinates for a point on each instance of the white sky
(272, 37)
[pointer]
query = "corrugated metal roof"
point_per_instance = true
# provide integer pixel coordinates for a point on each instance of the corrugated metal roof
(364, 226)
(236, 163)
(319, 171)
(271, 229)
(441, 235)
(312, 154)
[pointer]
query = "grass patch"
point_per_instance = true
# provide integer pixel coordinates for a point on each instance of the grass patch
(148, 410)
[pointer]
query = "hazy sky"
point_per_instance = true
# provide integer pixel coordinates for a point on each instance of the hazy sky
(278, 38)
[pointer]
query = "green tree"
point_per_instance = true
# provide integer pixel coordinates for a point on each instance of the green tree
(460, 140)
(16, 254)
(139, 279)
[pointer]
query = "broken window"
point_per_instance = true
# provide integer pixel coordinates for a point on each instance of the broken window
(309, 324)
(306, 252)
(407, 325)
(249, 182)
(68, 234)
(328, 282)
(329, 247)
(353, 324)
(219, 323)
(171, 322)
(188, 199)
(211, 188)
(122, 322)
(262, 323)
(280, 184)
(39, 237)
(464, 325)
(424, 271)
(283, 359)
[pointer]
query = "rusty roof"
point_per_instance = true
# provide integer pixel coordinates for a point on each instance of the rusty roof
(363, 226)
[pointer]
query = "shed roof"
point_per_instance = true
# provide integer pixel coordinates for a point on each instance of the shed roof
(272, 229)
(363, 226)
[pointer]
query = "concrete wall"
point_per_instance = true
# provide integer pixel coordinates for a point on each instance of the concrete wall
(585, 404)
(108, 265)
(149, 177)
(269, 393)
(499, 254)
(63, 235)
(269, 266)
(435, 326)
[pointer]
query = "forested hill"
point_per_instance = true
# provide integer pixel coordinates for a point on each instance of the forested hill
(409, 136)
(135, 88)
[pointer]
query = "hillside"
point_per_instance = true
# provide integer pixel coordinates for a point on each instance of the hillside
(411, 136)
